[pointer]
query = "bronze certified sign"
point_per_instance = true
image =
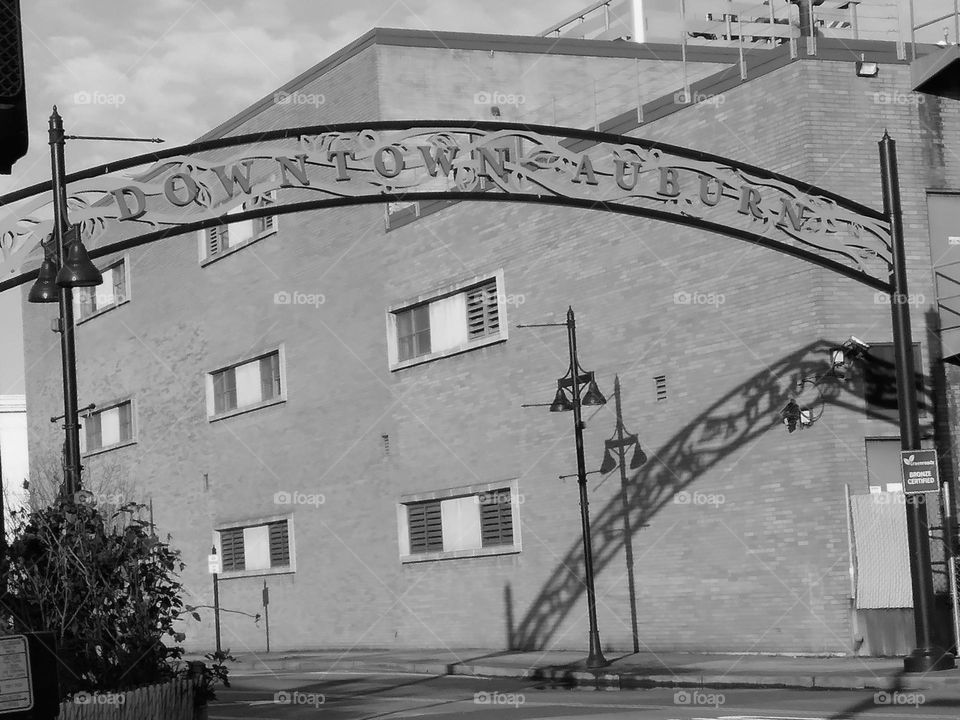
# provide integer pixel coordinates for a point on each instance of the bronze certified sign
(920, 471)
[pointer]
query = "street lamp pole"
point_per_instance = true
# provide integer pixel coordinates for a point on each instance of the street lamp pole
(66, 266)
(595, 658)
(66, 325)
(927, 655)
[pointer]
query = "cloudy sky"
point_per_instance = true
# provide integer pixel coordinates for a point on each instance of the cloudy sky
(176, 68)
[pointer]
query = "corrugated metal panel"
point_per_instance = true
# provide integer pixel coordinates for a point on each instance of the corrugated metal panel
(880, 541)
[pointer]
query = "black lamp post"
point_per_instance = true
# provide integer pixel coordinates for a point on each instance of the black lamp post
(927, 655)
(572, 382)
(65, 266)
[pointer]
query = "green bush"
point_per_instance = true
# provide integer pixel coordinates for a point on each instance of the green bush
(106, 585)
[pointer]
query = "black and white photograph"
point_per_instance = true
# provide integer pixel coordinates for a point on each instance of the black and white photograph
(525, 360)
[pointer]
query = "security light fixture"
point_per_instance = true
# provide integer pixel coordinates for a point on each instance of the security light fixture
(794, 416)
(867, 68)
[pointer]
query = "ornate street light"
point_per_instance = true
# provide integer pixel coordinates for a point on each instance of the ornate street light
(571, 384)
(65, 266)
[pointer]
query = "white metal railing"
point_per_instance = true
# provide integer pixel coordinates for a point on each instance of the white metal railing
(914, 26)
(595, 11)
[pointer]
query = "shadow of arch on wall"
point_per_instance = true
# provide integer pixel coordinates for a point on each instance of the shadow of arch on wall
(729, 424)
(159, 195)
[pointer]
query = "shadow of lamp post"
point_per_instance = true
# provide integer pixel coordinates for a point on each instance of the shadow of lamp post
(571, 384)
(65, 266)
(619, 444)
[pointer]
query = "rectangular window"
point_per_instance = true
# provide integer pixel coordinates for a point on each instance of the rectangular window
(496, 518)
(279, 544)
(267, 224)
(218, 240)
(426, 530)
(482, 313)
(113, 291)
(107, 427)
(246, 385)
(231, 548)
(458, 523)
(413, 332)
(880, 382)
(260, 547)
(450, 323)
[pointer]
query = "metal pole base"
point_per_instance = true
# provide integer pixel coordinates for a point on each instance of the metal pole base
(596, 658)
(928, 659)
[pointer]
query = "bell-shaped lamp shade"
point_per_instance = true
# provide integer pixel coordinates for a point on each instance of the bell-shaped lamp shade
(560, 402)
(45, 289)
(593, 396)
(77, 270)
(609, 462)
(639, 458)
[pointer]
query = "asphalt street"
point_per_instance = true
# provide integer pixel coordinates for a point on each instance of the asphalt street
(356, 695)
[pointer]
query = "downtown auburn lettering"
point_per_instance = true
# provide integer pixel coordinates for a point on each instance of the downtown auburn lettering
(394, 169)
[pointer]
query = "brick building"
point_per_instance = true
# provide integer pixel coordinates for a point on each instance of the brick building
(272, 389)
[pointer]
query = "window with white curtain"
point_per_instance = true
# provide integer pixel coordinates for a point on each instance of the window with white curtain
(258, 382)
(470, 316)
(460, 522)
(107, 427)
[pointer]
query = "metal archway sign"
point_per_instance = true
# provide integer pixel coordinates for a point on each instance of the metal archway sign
(162, 194)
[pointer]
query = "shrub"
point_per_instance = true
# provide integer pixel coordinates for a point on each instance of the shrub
(108, 588)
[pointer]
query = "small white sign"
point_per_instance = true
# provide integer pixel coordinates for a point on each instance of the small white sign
(16, 691)
(213, 564)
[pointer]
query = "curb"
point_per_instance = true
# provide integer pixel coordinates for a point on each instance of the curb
(613, 680)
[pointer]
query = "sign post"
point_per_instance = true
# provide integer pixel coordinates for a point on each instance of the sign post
(213, 562)
(266, 611)
(29, 682)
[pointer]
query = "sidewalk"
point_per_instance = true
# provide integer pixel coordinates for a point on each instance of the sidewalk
(625, 671)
